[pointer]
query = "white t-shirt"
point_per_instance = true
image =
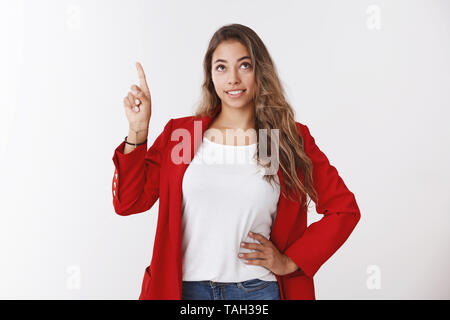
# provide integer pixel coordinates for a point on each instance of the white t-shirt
(225, 197)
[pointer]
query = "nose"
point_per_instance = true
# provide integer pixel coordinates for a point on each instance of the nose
(234, 77)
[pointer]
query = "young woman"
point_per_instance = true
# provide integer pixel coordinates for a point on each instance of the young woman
(230, 229)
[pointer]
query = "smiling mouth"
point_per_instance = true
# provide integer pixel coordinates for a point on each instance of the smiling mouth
(235, 93)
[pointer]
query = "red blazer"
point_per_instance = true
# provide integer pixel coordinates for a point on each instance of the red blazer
(143, 176)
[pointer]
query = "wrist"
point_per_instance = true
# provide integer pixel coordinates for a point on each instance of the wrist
(138, 126)
(137, 136)
(290, 265)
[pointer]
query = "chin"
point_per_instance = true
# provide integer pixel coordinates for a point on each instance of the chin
(237, 104)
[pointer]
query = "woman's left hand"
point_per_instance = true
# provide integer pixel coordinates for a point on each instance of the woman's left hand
(267, 255)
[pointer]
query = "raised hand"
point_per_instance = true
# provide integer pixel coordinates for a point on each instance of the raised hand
(138, 104)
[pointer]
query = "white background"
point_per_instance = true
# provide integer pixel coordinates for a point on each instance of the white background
(371, 79)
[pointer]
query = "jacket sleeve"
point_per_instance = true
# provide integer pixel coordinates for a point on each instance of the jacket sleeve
(135, 184)
(338, 205)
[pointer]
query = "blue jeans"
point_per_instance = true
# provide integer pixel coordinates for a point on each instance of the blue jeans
(254, 289)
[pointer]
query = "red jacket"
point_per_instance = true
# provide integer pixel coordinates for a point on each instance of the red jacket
(143, 176)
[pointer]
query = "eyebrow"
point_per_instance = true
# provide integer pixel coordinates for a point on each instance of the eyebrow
(222, 60)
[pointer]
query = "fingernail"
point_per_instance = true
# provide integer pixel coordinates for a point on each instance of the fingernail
(241, 255)
(134, 92)
(136, 109)
(137, 101)
(250, 233)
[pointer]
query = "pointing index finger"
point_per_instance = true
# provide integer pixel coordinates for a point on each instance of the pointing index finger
(142, 79)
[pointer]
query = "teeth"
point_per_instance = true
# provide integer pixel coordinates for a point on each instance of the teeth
(235, 92)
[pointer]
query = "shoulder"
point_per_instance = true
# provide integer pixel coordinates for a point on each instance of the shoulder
(181, 122)
(302, 129)
(184, 121)
(309, 143)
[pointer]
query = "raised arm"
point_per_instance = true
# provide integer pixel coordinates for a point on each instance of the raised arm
(135, 184)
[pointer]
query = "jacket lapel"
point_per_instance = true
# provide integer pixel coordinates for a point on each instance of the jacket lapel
(286, 214)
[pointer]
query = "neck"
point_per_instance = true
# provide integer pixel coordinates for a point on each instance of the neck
(236, 118)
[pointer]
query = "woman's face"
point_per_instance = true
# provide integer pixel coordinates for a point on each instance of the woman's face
(232, 69)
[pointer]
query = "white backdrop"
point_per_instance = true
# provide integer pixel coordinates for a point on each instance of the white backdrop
(371, 79)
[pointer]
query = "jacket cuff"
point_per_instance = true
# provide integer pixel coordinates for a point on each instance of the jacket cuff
(124, 162)
(299, 259)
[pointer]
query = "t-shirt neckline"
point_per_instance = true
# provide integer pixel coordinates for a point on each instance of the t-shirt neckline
(227, 145)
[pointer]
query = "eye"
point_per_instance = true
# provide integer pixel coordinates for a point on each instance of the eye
(244, 63)
(249, 65)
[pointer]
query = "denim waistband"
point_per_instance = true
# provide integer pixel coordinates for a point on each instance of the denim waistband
(215, 283)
